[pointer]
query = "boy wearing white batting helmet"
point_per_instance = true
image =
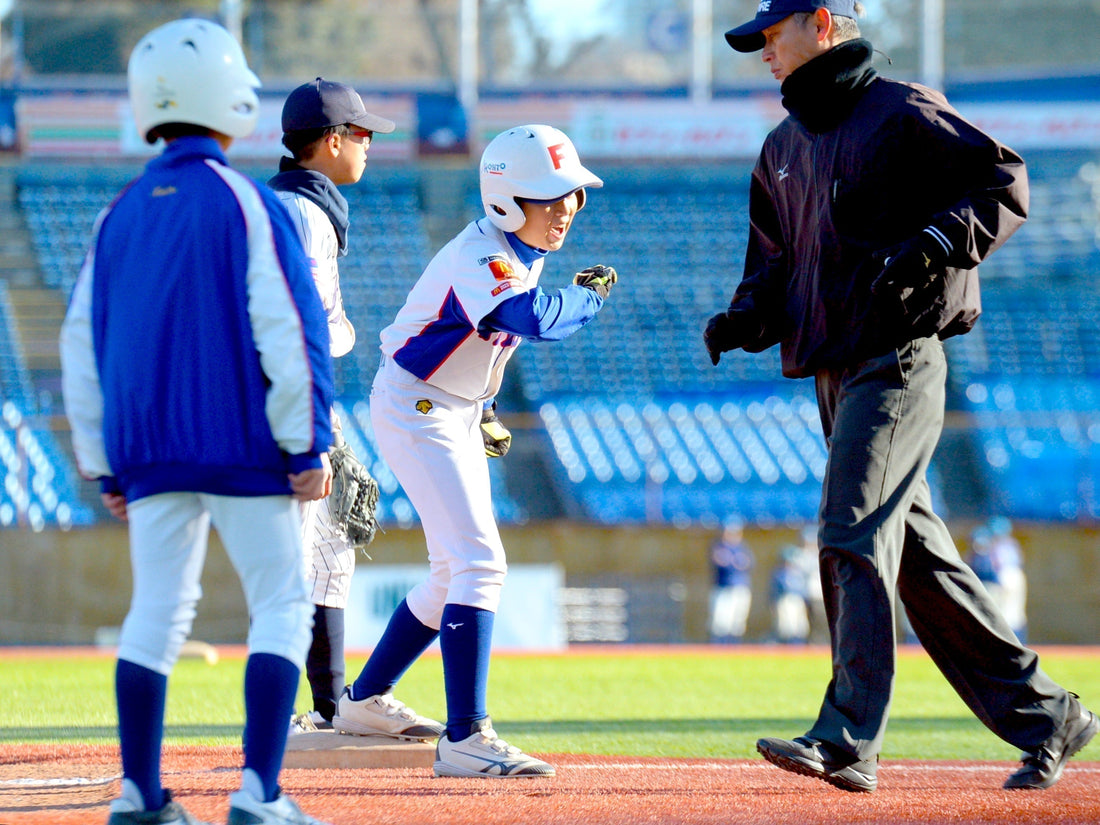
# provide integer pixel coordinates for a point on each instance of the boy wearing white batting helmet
(443, 358)
(212, 409)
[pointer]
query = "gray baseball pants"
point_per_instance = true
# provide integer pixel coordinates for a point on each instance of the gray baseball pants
(880, 541)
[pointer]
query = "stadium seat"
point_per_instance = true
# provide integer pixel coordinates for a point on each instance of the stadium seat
(633, 410)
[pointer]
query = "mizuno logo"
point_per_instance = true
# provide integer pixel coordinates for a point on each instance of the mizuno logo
(454, 625)
(784, 173)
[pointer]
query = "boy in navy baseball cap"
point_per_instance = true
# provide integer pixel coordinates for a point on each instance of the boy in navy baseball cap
(324, 103)
(328, 133)
(749, 37)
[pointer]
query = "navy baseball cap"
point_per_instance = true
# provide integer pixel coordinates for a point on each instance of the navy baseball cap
(324, 103)
(748, 37)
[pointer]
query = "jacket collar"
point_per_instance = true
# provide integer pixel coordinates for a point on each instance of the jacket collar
(824, 91)
(191, 146)
(320, 190)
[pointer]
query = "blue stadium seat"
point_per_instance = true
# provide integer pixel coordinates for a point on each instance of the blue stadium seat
(632, 407)
(394, 505)
(1037, 434)
(686, 458)
(39, 484)
(15, 382)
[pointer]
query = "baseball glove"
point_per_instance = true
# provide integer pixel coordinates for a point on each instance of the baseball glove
(598, 278)
(495, 435)
(353, 502)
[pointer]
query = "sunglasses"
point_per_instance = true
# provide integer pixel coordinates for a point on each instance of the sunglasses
(364, 136)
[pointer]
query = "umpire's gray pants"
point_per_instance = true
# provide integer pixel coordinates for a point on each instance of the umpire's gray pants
(882, 420)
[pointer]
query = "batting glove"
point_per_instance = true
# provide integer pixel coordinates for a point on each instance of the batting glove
(912, 265)
(598, 278)
(722, 334)
(494, 435)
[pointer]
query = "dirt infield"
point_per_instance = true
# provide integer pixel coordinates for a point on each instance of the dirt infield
(72, 785)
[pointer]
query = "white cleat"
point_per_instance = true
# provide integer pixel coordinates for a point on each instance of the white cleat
(129, 809)
(382, 715)
(311, 722)
(483, 753)
(246, 807)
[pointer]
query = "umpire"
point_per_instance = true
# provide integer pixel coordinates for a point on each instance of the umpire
(871, 206)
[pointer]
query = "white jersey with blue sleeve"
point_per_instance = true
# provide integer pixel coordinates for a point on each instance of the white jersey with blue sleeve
(319, 239)
(436, 336)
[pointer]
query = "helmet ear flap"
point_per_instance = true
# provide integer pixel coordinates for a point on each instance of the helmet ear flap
(504, 212)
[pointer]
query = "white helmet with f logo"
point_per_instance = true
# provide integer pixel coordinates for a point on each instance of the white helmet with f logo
(534, 162)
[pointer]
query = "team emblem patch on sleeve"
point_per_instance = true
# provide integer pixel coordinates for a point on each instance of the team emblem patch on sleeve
(423, 406)
(501, 269)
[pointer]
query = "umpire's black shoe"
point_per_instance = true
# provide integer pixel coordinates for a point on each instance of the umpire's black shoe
(1043, 766)
(809, 757)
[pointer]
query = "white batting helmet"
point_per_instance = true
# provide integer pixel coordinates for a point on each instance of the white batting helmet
(192, 71)
(532, 162)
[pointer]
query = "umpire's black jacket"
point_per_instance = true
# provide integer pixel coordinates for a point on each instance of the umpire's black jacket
(863, 163)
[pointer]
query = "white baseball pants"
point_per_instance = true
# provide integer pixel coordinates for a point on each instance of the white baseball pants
(169, 535)
(432, 442)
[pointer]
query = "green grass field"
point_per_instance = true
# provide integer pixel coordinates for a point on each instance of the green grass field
(636, 702)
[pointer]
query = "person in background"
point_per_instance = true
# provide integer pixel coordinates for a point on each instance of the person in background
(808, 560)
(790, 616)
(731, 561)
(328, 132)
(1008, 561)
(197, 380)
(981, 560)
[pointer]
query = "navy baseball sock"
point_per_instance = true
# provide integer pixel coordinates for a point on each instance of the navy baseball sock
(401, 645)
(466, 637)
(270, 685)
(325, 662)
(141, 695)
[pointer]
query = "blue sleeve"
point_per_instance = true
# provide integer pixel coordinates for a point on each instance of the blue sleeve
(540, 316)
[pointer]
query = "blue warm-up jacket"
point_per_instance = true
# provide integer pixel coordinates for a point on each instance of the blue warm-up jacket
(195, 352)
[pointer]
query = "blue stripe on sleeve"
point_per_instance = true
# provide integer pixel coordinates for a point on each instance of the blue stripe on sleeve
(424, 353)
(541, 316)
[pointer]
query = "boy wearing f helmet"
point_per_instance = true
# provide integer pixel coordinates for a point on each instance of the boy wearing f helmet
(213, 410)
(442, 357)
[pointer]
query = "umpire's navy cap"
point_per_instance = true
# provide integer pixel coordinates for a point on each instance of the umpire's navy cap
(324, 103)
(748, 37)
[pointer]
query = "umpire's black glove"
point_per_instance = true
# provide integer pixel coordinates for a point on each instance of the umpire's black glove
(915, 264)
(722, 334)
